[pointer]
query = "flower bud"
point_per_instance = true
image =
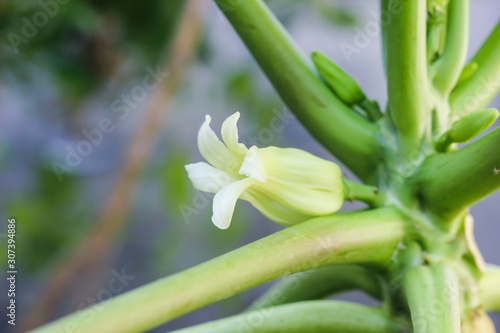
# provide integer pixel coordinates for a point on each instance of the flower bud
(287, 185)
(472, 125)
(467, 71)
(346, 88)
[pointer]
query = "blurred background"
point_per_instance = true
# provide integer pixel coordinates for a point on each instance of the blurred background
(100, 104)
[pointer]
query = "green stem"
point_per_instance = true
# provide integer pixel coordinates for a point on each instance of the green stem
(365, 193)
(319, 283)
(432, 293)
(447, 183)
(489, 287)
(407, 80)
(384, 10)
(447, 69)
(372, 109)
(340, 238)
(433, 40)
(322, 113)
(311, 316)
(482, 86)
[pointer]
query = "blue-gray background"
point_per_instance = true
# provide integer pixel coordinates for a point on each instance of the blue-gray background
(56, 86)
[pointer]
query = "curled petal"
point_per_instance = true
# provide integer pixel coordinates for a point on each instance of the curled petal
(230, 134)
(225, 201)
(253, 165)
(207, 178)
(214, 151)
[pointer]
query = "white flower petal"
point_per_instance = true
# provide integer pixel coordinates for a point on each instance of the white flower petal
(274, 211)
(299, 168)
(303, 200)
(230, 134)
(207, 178)
(253, 165)
(214, 151)
(225, 201)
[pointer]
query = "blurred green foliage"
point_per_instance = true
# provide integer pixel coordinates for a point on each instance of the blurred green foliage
(82, 42)
(50, 217)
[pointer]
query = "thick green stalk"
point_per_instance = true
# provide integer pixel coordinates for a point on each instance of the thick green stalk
(340, 238)
(489, 286)
(432, 293)
(407, 80)
(311, 316)
(328, 119)
(447, 69)
(450, 182)
(319, 283)
(476, 92)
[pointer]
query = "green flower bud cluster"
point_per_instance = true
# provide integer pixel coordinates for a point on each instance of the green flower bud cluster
(344, 86)
(467, 128)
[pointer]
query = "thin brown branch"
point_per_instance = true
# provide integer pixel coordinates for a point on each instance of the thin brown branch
(116, 207)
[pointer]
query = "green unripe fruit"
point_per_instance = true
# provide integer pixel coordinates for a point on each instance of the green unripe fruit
(346, 88)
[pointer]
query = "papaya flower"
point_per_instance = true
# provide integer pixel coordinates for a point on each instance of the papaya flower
(287, 185)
